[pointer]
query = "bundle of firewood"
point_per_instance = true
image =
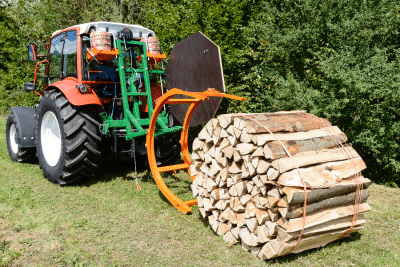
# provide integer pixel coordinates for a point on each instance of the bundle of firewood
(253, 172)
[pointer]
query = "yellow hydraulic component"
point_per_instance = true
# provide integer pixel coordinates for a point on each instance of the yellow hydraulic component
(194, 101)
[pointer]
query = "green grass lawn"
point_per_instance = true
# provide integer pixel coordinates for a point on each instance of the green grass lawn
(106, 222)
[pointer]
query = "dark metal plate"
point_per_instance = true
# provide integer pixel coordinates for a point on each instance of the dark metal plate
(195, 66)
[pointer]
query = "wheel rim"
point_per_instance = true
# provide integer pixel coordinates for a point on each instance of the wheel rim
(50, 138)
(13, 139)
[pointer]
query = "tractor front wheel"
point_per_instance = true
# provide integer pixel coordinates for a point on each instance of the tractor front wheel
(16, 152)
(67, 139)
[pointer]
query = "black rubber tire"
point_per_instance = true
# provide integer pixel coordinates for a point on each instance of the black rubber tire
(167, 148)
(22, 154)
(80, 139)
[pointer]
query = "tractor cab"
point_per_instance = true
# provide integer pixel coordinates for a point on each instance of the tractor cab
(115, 66)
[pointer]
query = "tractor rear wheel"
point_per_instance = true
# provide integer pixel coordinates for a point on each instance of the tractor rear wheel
(16, 152)
(67, 139)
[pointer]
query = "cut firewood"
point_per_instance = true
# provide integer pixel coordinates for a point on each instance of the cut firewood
(280, 122)
(213, 222)
(261, 236)
(322, 217)
(271, 228)
(250, 210)
(314, 157)
(272, 174)
(262, 216)
(273, 215)
(241, 219)
(258, 153)
(263, 166)
(244, 137)
(223, 228)
(225, 120)
(229, 238)
(249, 175)
(307, 243)
(296, 195)
(235, 232)
(236, 156)
(299, 136)
(237, 133)
(252, 224)
(342, 223)
(203, 135)
(197, 144)
(246, 148)
(247, 237)
(323, 175)
(344, 200)
(298, 146)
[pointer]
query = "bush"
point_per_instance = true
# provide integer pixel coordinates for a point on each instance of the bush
(337, 60)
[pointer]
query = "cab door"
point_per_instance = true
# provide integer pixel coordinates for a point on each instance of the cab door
(62, 57)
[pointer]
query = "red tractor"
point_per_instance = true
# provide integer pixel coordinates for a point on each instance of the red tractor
(100, 88)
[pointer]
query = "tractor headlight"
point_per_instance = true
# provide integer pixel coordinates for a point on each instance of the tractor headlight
(83, 88)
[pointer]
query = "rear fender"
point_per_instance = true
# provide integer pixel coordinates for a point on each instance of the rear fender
(69, 87)
(25, 119)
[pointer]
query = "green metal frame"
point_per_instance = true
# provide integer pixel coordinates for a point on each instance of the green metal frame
(135, 125)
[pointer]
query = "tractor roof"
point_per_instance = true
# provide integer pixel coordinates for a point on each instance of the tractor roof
(113, 27)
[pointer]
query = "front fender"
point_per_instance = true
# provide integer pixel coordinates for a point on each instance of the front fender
(69, 87)
(25, 119)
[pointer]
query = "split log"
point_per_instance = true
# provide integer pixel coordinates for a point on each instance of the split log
(323, 175)
(296, 195)
(338, 224)
(280, 122)
(322, 217)
(299, 146)
(344, 200)
(314, 157)
(299, 136)
(275, 248)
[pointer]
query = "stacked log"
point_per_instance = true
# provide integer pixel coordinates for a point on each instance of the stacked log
(252, 191)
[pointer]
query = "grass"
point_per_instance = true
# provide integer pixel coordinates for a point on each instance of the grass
(106, 222)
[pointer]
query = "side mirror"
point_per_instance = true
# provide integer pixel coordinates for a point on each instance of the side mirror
(29, 87)
(32, 52)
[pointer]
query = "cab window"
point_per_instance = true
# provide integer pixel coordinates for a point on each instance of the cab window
(63, 56)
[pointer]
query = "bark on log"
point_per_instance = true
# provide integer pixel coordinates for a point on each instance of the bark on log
(345, 200)
(296, 195)
(323, 175)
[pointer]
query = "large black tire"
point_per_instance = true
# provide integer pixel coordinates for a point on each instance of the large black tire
(167, 148)
(67, 139)
(16, 152)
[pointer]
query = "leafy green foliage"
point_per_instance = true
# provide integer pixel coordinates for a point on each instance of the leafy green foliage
(13, 68)
(336, 59)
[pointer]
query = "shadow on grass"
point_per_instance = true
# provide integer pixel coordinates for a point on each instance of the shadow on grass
(110, 170)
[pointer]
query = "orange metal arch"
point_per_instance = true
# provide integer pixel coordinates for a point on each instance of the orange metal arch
(194, 101)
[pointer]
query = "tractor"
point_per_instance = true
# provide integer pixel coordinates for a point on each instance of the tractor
(106, 92)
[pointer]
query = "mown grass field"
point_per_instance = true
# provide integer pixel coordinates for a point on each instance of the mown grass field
(106, 222)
